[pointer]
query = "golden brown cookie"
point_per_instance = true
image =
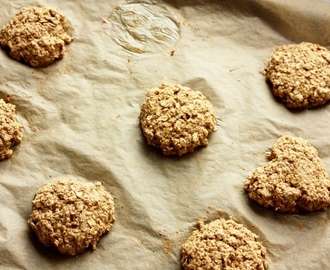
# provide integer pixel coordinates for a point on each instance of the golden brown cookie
(10, 129)
(71, 215)
(36, 35)
(293, 180)
(300, 74)
(176, 119)
(223, 244)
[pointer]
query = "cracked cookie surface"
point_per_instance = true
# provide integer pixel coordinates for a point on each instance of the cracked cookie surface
(293, 180)
(300, 74)
(176, 119)
(71, 215)
(36, 35)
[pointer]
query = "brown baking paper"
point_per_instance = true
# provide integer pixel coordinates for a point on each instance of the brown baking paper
(80, 118)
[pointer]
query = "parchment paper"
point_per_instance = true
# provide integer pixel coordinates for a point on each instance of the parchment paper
(80, 118)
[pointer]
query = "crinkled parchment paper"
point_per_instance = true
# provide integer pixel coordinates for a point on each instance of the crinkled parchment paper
(80, 118)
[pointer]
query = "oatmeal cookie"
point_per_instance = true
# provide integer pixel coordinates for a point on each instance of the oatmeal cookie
(36, 35)
(10, 129)
(176, 119)
(223, 244)
(71, 215)
(300, 74)
(293, 180)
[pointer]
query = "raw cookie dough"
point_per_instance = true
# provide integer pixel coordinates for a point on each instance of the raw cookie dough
(36, 35)
(300, 74)
(293, 180)
(10, 133)
(71, 215)
(176, 119)
(223, 244)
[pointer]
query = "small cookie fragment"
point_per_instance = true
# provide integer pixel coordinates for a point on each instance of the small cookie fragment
(71, 215)
(300, 74)
(10, 129)
(223, 244)
(176, 119)
(293, 180)
(36, 35)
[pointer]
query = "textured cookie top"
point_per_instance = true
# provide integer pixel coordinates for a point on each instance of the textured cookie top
(36, 35)
(293, 180)
(71, 215)
(176, 119)
(10, 129)
(223, 244)
(300, 74)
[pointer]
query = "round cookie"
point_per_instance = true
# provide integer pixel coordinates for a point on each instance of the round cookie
(36, 35)
(300, 74)
(176, 119)
(223, 244)
(293, 180)
(10, 133)
(71, 215)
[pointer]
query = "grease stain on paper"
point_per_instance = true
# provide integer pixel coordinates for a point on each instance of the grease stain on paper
(143, 26)
(167, 245)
